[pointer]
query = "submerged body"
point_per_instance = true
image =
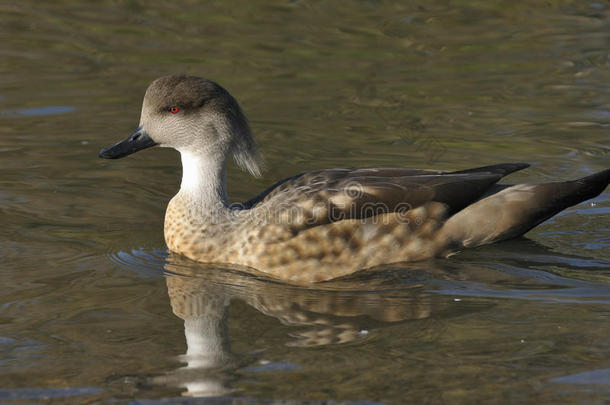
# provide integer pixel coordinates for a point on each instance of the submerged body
(325, 224)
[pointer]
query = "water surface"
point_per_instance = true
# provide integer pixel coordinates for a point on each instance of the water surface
(93, 307)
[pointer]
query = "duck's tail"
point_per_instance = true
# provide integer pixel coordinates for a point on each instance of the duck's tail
(513, 210)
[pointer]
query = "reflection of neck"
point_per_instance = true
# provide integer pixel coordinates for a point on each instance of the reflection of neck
(205, 311)
(207, 341)
(208, 349)
(204, 179)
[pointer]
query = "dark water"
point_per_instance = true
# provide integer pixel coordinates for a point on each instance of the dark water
(94, 310)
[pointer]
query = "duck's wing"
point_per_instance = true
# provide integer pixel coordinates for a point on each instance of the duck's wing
(365, 191)
(318, 178)
(511, 211)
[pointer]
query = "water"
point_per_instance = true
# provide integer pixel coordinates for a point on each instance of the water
(93, 309)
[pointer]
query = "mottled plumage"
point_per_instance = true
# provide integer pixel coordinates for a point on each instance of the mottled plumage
(329, 223)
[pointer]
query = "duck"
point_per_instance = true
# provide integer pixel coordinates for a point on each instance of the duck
(324, 224)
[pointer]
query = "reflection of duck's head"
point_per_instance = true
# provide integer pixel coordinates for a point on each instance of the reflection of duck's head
(195, 116)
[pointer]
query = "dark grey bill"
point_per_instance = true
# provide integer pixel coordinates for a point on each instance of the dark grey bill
(138, 140)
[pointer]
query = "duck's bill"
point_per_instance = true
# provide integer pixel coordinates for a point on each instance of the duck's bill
(138, 140)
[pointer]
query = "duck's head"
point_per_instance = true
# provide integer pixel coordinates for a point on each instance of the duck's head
(192, 115)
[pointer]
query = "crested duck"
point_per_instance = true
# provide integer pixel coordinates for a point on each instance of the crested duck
(324, 224)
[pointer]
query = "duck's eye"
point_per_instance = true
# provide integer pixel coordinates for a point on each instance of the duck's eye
(174, 109)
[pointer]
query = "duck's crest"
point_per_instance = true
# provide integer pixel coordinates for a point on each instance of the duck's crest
(244, 149)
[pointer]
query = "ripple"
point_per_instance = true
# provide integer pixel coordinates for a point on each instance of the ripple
(591, 377)
(37, 111)
(46, 393)
(144, 262)
(245, 400)
(548, 287)
(272, 366)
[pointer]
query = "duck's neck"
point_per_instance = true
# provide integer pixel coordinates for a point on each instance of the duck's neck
(204, 181)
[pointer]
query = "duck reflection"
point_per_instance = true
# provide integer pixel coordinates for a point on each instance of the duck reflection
(331, 313)
(342, 311)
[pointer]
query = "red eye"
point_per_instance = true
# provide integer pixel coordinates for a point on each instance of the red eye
(174, 109)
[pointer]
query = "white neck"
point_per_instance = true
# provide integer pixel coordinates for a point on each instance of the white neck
(204, 180)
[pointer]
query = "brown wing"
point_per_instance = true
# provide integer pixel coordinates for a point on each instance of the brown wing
(514, 210)
(320, 177)
(329, 195)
